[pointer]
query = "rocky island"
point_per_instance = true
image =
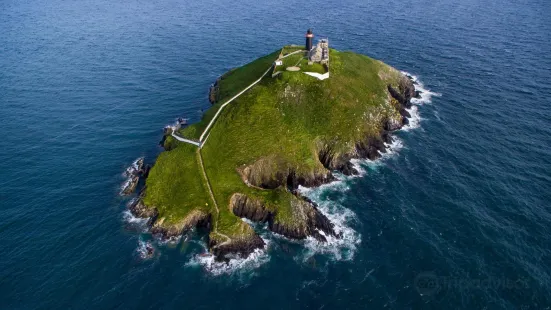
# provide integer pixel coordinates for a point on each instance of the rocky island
(294, 127)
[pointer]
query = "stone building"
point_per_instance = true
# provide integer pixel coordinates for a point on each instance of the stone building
(320, 53)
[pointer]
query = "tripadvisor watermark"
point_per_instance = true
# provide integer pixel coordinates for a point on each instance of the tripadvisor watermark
(429, 283)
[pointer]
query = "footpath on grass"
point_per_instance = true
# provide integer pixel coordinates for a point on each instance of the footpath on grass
(203, 139)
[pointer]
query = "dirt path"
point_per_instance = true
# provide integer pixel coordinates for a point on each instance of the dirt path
(215, 226)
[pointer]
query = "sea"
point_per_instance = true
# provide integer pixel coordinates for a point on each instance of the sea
(457, 215)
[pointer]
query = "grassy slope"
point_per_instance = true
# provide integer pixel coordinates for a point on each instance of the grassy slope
(231, 84)
(175, 185)
(266, 122)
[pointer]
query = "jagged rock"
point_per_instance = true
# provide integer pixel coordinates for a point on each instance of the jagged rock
(407, 89)
(348, 169)
(252, 209)
(405, 93)
(223, 250)
(130, 185)
(404, 113)
(392, 124)
(158, 227)
(195, 219)
(139, 209)
(272, 172)
(386, 136)
(397, 95)
(332, 161)
(307, 221)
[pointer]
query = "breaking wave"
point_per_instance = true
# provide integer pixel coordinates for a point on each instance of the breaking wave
(343, 218)
(132, 171)
(145, 250)
(236, 265)
(342, 248)
(337, 248)
(424, 93)
(134, 168)
(425, 97)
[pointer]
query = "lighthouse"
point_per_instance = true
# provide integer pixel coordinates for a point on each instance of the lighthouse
(309, 39)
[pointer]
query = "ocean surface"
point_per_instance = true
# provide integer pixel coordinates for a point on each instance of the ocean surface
(457, 216)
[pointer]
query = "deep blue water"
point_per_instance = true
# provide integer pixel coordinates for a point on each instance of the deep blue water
(459, 216)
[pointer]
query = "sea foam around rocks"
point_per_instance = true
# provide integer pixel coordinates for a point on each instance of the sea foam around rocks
(343, 218)
(236, 265)
(339, 248)
(129, 173)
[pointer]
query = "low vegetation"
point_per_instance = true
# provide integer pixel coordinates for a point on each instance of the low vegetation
(272, 132)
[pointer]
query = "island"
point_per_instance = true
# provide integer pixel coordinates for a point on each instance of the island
(291, 118)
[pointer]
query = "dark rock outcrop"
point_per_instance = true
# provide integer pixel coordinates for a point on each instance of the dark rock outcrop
(139, 209)
(130, 185)
(370, 148)
(404, 93)
(194, 219)
(404, 113)
(272, 172)
(392, 125)
(224, 251)
(252, 209)
(331, 161)
(307, 221)
(158, 227)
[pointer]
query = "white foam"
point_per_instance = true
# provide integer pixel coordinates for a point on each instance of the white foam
(337, 248)
(170, 241)
(426, 94)
(344, 248)
(124, 185)
(133, 168)
(357, 164)
(129, 173)
(131, 219)
(414, 120)
(236, 265)
(142, 250)
(392, 149)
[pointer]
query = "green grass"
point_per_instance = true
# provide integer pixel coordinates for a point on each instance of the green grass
(315, 67)
(175, 185)
(231, 83)
(289, 49)
(285, 118)
(290, 61)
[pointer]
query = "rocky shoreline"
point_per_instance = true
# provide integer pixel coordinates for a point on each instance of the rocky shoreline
(138, 170)
(308, 221)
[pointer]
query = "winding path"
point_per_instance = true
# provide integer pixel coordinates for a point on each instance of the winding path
(215, 226)
(213, 120)
(202, 142)
(228, 102)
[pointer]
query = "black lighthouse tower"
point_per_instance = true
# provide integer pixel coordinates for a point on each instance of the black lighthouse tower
(309, 39)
